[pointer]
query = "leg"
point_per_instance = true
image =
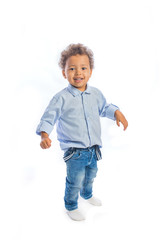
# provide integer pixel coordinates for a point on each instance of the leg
(74, 179)
(90, 174)
(73, 186)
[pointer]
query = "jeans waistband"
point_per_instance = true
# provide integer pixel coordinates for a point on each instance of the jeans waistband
(94, 146)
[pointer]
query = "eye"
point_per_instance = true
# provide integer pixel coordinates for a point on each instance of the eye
(71, 69)
(84, 68)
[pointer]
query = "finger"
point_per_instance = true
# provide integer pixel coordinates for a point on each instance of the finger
(41, 144)
(48, 143)
(125, 125)
(118, 123)
(44, 145)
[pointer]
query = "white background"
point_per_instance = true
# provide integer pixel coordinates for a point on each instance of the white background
(125, 37)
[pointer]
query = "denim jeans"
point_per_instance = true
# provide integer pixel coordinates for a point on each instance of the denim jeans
(82, 168)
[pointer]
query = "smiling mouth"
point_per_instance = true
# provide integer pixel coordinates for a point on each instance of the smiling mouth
(78, 80)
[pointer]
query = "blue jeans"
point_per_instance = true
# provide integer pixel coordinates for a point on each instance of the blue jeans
(81, 170)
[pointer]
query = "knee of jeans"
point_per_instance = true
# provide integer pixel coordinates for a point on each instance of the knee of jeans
(76, 179)
(92, 174)
(79, 178)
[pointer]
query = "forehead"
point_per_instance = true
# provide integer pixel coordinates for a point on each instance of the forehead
(78, 60)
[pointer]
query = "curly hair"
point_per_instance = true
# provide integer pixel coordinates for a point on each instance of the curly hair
(74, 49)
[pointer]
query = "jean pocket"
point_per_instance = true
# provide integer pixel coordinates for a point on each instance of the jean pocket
(77, 154)
(68, 154)
(72, 153)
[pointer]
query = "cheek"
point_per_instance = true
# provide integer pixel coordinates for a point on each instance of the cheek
(70, 74)
(87, 75)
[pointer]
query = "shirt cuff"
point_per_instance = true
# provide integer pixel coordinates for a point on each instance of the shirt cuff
(44, 127)
(111, 111)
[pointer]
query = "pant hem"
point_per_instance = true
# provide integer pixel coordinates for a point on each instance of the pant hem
(86, 198)
(71, 209)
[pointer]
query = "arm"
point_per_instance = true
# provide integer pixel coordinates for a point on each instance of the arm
(45, 140)
(111, 111)
(121, 118)
(48, 120)
(105, 109)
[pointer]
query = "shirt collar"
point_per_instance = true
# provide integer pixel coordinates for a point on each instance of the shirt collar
(75, 92)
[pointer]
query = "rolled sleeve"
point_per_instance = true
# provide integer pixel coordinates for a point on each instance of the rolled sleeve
(110, 111)
(105, 109)
(50, 116)
(44, 127)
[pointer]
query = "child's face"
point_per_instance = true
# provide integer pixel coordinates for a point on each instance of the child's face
(77, 71)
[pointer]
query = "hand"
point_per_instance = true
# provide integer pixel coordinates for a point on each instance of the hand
(45, 143)
(120, 118)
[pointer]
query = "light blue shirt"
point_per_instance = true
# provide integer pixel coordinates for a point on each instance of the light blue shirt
(77, 117)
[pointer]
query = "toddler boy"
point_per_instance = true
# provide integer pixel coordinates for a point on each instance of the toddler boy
(76, 110)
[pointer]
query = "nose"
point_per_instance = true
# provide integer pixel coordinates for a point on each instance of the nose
(78, 71)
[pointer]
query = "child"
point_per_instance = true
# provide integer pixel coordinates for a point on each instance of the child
(76, 110)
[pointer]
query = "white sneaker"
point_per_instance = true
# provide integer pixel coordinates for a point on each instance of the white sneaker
(95, 201)
(76, 215)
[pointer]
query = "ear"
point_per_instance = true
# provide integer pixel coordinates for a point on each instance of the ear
(63, 73)
(90, 72)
